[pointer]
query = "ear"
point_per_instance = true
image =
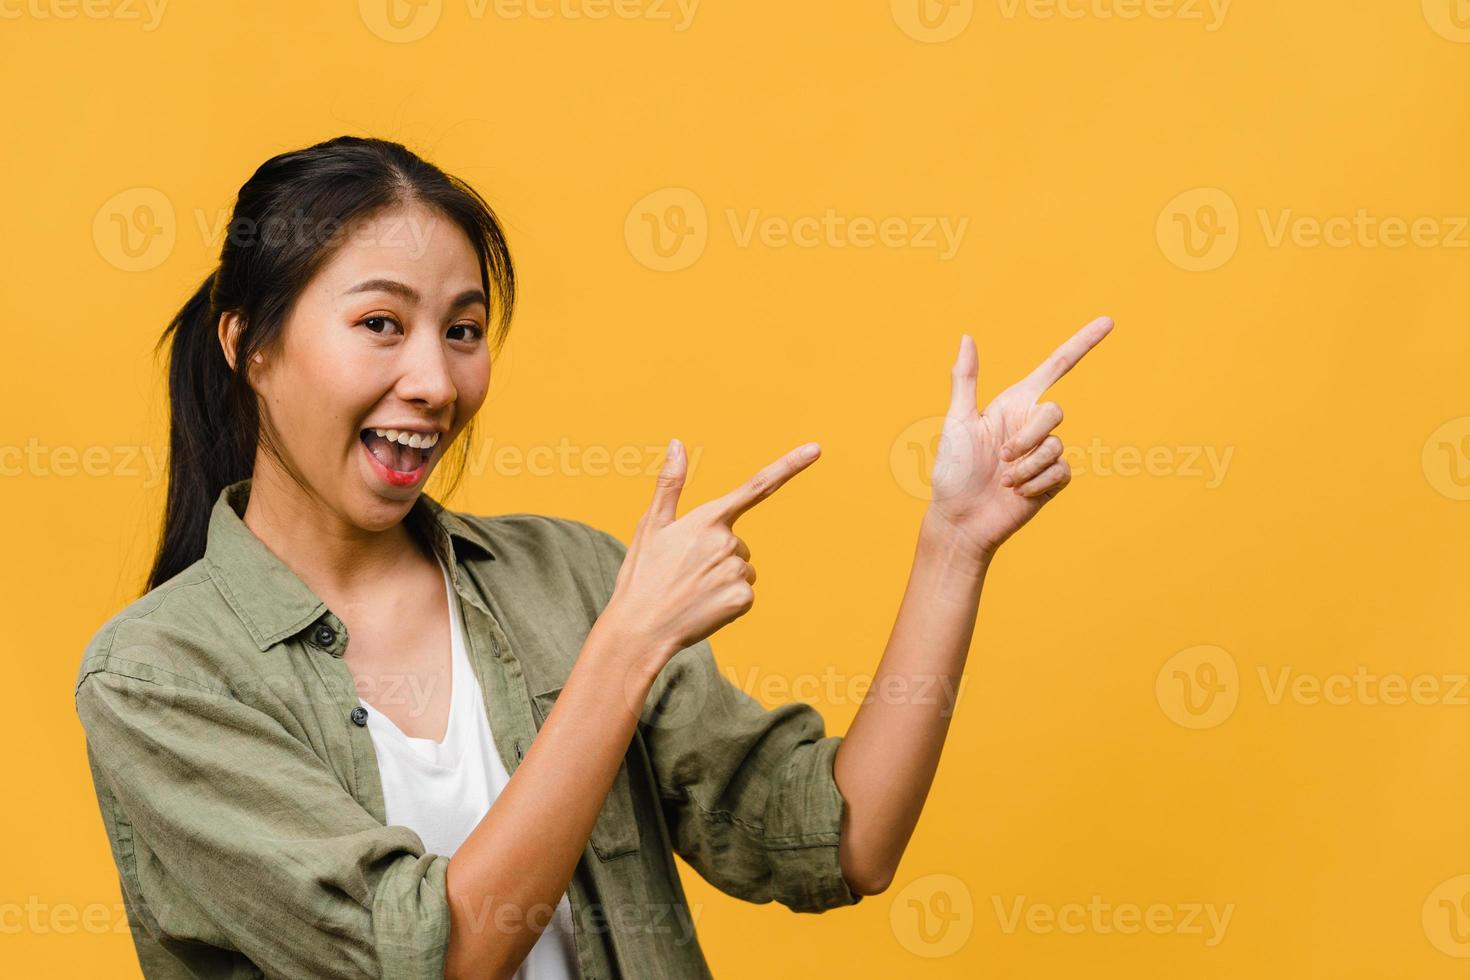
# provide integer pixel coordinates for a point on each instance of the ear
(230, 327)
(229, 335)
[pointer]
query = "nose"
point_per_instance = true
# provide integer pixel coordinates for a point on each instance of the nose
(425, 377)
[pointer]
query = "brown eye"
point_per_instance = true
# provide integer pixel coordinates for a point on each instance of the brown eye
(476, 331)
(370, 321)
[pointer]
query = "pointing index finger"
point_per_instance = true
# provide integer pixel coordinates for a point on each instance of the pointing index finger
(1065, 357)
(770, 479)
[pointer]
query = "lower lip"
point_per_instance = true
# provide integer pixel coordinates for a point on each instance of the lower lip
(393, 476)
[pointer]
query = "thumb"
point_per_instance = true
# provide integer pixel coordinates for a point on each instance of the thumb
(963, 374)
(670, 483)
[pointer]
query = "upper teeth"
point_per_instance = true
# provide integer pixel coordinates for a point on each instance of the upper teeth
(418, 440)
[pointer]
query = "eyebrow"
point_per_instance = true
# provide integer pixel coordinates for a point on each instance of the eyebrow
(469, 297)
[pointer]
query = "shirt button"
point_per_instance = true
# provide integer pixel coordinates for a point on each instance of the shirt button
(359, 716)
(325, 636)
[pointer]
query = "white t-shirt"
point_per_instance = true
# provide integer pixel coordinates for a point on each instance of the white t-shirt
(441, 790)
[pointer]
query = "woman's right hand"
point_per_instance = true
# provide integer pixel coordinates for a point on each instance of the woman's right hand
(683, 579)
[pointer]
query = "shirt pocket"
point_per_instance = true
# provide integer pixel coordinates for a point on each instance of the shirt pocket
(616, 831)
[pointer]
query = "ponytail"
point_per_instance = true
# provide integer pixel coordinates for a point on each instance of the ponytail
(207, 450)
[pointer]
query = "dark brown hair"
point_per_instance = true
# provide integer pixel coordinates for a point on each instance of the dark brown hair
(287, 221)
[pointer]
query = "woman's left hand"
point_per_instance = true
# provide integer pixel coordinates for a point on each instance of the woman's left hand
(995, 469)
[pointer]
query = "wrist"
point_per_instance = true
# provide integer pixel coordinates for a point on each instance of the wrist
(641, 654)
(938, 535)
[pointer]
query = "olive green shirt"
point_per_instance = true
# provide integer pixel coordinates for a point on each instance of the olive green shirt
(240, 792)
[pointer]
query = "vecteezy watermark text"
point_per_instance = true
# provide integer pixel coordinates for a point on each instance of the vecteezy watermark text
(1098, 917)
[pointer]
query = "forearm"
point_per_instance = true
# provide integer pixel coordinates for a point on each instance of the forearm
(507, 877)
(887, 761)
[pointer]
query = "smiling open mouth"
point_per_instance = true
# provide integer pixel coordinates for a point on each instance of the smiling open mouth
(399, 451)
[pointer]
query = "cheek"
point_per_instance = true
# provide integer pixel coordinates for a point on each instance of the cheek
(472, 384)
(318, 395)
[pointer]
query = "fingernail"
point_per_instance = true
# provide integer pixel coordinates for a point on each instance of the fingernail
(1005, 452)
(676, 448)
(809, 451)
(1006, 481)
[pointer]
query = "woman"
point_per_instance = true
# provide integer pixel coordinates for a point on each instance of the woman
(350, 733)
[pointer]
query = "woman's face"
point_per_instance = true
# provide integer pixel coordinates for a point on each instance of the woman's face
(384, 350)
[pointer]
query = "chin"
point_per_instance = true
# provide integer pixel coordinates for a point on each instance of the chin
(372, 512)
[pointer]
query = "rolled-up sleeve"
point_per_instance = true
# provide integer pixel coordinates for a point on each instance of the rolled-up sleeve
(748, 792)
(229, 831)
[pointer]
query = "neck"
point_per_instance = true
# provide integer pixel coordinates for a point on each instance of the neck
(330, 553)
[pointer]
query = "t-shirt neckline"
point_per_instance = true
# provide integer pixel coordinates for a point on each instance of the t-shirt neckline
(445, 754)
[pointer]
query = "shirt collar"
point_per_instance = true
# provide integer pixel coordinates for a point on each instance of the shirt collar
(270, 599)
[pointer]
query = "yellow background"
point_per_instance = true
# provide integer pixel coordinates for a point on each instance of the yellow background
(1333, 376)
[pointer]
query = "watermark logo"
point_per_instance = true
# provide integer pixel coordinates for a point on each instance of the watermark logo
(148, 13)
(1450, 19)
(933, 916)
(147, 699)
(932, 21)
(1210, 13)
(678, 13)
(667, 230)
(400, 21)
(1206, 920)
(1446, 917)
(674, 703)
(1362, 229)
(1198, 687)
(37, 460)
(912, 455)
(914, 452)
(405, 21)
(38, 917)
(1207, 464)
(1446, 459)
(833, 687)
(831, 228)
(568, 459)
(135, 230)
(1363, 687)
(1199, 230)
